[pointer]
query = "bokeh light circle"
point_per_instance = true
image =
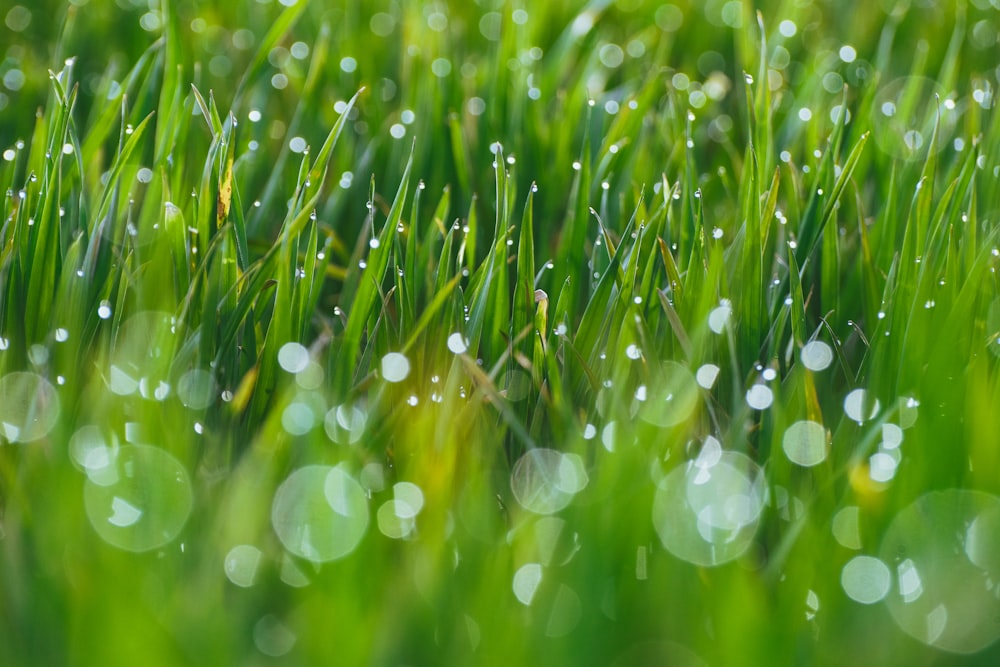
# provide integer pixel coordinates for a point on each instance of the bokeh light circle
(944, 557)
(706, 511)
(140, 499)
(29, 407)
(320, 513)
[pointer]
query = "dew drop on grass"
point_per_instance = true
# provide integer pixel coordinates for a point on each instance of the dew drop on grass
(139, 499)
(760, 397)
(29, 407)
(804, 443)
(319, 513)
(865, 579)
(241, 565)
(395, 367)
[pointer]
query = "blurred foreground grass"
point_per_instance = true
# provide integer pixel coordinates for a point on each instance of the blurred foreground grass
(489, 333)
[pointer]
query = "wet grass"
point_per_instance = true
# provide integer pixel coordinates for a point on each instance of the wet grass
(490, 333)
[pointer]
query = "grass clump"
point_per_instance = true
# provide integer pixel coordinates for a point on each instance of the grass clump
(499, 334)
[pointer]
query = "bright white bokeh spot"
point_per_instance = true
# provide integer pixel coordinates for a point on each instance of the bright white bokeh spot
(847, 53)
(892, 436)
(719, 317)
(241, 565)
(816, 355)
(760, 397)
(526, 581)
(457, 343)
(410, 494)
(854, 406)
(804, 443)
(707, 375)
(293, 357)
(395, 367)
(865, 579)
(881, 467)
(787, 28)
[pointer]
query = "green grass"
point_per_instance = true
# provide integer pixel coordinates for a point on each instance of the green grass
(499, 333)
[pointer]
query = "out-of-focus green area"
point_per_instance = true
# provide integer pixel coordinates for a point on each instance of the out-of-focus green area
(403, 333)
